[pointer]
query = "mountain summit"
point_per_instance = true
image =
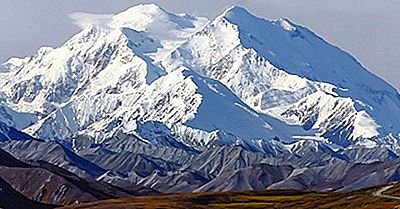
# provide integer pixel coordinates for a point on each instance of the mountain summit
(186, 82)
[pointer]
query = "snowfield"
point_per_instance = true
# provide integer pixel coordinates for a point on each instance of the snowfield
(185, 81)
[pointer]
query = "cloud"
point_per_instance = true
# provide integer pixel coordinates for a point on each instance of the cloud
(83, 20)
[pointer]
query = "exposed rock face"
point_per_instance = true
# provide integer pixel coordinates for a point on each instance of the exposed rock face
(44, 182)
(171, 170)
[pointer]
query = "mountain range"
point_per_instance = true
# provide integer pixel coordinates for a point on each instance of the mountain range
(176, 103)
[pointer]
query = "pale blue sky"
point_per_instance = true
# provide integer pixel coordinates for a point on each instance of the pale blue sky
(368, 29)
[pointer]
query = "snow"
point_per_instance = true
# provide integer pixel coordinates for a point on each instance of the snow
(365, 126)
(286, 24)
(170, 29)
(237, 79)
(222, 110)
(277, 66)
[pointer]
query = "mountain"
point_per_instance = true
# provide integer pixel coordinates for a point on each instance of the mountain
(176, 103)
(11, 199)
(220, 81)
(127, 162)
(10, 133)
(286, 71)
(47, 183)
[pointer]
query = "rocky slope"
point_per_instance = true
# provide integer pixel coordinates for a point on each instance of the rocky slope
(11, 199)
(46, 183)
(173, 170)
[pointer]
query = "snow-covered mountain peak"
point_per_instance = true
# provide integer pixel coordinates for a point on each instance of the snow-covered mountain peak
(139, 17)
(238, 78)
(300, 51)
(277, 66)
(167, 27)
(163, 27)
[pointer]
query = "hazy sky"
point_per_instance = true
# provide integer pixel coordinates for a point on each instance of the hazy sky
(368, 29)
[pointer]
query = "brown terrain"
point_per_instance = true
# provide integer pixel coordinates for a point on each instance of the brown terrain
(365, 198)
